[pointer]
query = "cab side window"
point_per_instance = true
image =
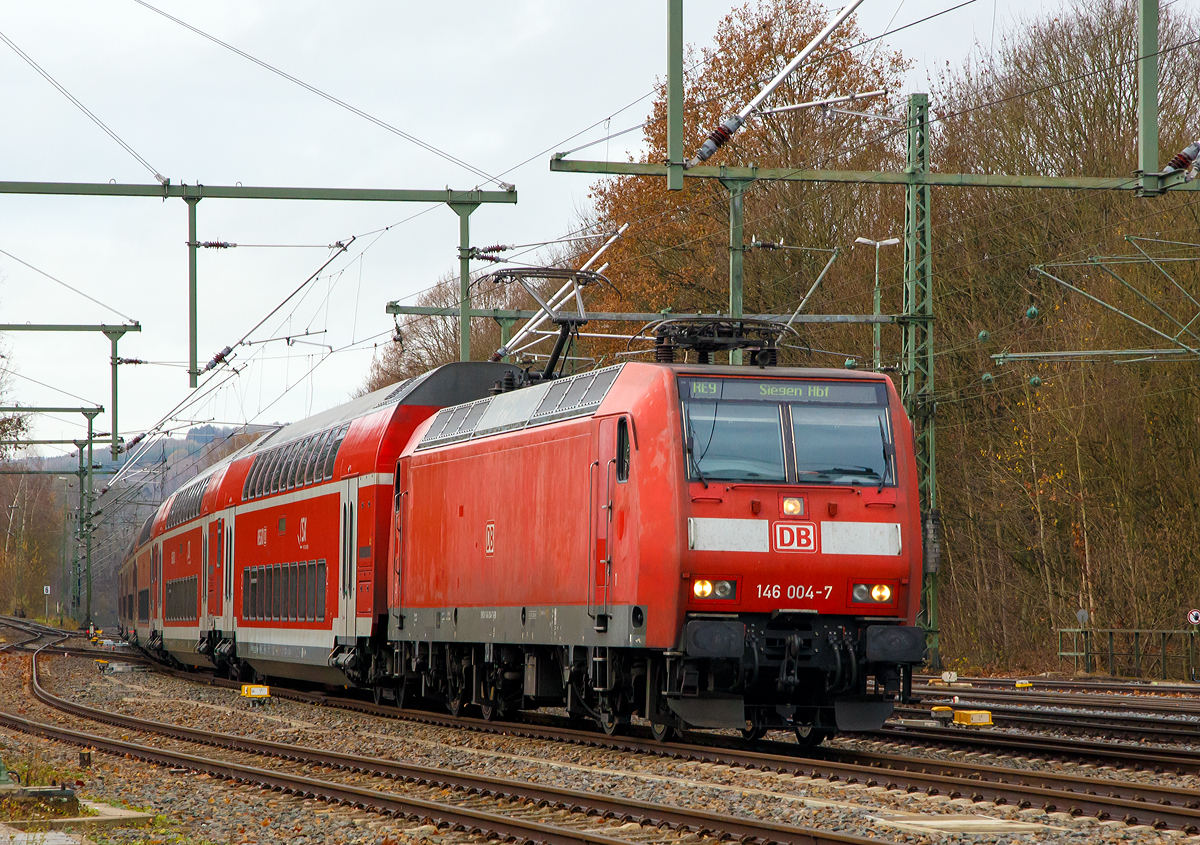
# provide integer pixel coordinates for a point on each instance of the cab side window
(622, 450)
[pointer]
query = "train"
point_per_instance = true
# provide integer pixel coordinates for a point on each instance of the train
(696, 545)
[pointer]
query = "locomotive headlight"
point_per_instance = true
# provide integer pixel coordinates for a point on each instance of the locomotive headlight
(868, 593)
(702, 589)
(793, 507)
(724, 589)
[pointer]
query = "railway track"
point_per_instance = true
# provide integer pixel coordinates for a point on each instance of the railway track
(1104, 798)
(592, 815)
(29, 632)
(1135, 687)
(1108, 723)
(1140, 717)
(1148, 704)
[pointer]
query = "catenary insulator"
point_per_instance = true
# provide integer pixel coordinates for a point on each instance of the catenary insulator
(1183, 159)
(664, 350)
(717, 138)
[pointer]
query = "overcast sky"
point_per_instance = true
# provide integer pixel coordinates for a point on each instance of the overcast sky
(494, 84)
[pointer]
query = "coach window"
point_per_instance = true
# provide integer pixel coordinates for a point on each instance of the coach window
(314, 454)
(260, 475)
(289, 463)
(247, 595)
(312, 591)
(264, 588)
(262, 484)
(304, 476)
(271, 472)
(623, 449)
(299, 581)
(337, 443)
(256, 474)
(285, 607)
(287, 480)
(296, 476)
(278, 479)
(321, 590)
(322, 454)
(277, 469)
(248, 487)
(297, 462)
(310, 457)
(289, 593)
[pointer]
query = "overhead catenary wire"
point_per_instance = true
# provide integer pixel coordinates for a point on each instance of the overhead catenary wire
(45, 75)
(67, 286)
(11, 372)
(332, 99)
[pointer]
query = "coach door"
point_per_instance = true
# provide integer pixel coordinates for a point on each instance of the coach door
(205, 578)
(228, 616)
(215, 572)
(348, 571)
(155, 580)
(602, 472)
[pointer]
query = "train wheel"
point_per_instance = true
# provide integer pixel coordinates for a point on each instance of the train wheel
(489, 712)
(808, 736)
(663, 733)
(401, 693)
(454, 704)
(755, 733)
(377, 693)
(609, 723)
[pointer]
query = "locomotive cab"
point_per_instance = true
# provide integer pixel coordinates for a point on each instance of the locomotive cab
(802, 562)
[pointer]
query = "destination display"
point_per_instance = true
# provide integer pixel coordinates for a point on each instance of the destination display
(781, 390)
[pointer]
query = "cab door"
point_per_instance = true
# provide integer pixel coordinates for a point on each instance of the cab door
(396, 553)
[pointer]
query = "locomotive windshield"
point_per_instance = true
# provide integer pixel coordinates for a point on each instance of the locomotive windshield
(787, 431)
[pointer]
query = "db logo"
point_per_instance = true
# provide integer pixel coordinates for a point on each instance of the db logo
(489, 539)
(1194, 617)
(795, 537)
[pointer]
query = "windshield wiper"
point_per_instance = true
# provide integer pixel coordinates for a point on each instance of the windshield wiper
(692, 458)
(888, 452)
(839, 471)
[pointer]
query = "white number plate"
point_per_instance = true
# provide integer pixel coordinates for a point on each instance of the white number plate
(794, 591)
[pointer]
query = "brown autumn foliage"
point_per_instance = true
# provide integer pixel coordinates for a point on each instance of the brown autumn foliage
(1075, 491)
(676, 255)
(1078, 493)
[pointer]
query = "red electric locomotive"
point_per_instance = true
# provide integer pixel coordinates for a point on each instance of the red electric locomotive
(705, 546)
(702, 546)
